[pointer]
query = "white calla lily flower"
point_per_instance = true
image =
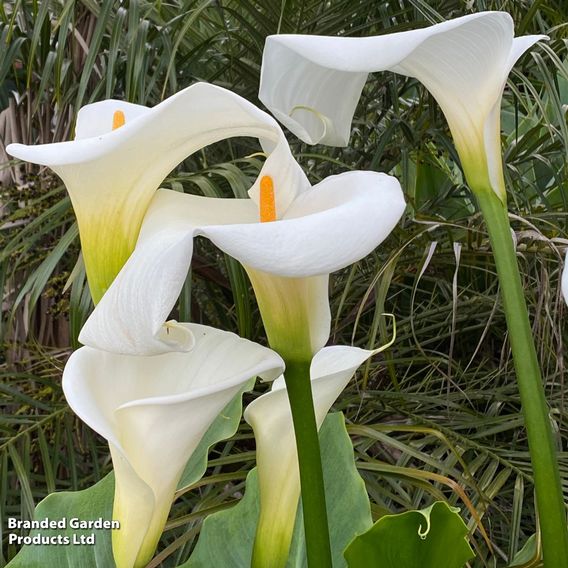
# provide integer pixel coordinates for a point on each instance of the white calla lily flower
(122, 152)
(312, 83)
(153, 411)
(323, 229)
(276, 456)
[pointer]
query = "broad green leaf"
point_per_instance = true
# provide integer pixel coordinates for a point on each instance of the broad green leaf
(227, 537)
(90, 504)
(96, 502)
(434, 537)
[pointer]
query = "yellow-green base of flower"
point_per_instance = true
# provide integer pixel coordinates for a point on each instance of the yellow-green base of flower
(295, 312)
(273, 539)
(141, 513)
(107, 241)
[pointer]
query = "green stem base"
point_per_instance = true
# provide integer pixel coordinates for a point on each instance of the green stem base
(316, 528)
(552, 513)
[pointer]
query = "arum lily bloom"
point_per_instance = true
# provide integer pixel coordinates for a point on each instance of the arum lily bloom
(312, 84)
(323, 229)
(289, 237)
(153, 411)
(288, 257)
(276, 456)
(122, 152)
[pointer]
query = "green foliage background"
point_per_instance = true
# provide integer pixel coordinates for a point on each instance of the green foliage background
(438, 417)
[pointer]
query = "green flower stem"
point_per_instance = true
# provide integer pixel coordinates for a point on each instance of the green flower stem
(552, 513)
(316, 528)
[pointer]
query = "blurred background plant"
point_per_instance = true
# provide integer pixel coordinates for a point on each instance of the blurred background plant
(439, 415)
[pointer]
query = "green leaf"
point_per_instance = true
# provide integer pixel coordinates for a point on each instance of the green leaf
(434, 537)
(527, 557)
(227, 537)
(96, 502)
(89, 504)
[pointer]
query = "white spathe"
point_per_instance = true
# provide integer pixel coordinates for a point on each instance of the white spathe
(312, 83)
(112, 175)
(153, 411)
(328, 227)
(276, 456)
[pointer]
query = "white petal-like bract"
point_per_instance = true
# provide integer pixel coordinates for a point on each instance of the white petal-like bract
(276, 455)
(112, 175)
(153, 411)
(336, 223)
(312, 83)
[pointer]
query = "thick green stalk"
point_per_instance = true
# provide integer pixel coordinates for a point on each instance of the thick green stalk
(552, 513)
(316, 528)
(297, 325)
